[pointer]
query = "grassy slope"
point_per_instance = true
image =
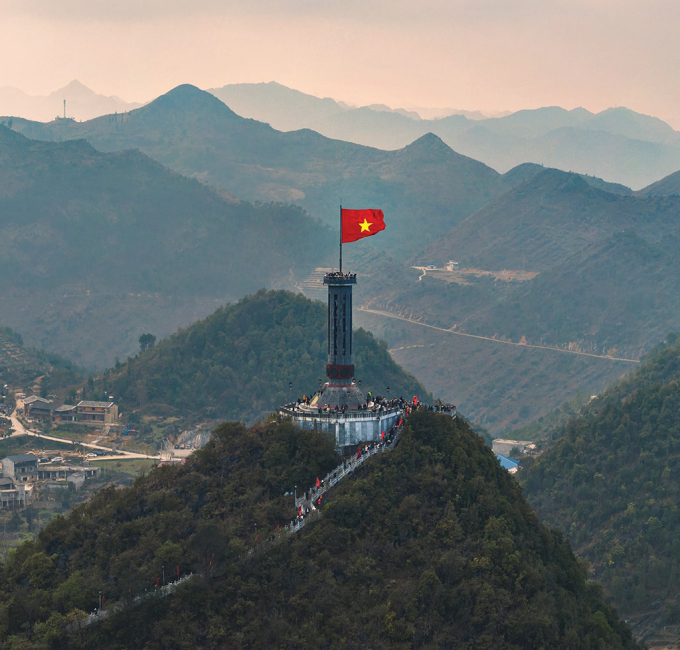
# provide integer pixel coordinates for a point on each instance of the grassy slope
(546, 220)
(500, 386)
(20, 366)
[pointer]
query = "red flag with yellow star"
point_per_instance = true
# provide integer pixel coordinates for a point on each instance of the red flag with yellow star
(357, 224)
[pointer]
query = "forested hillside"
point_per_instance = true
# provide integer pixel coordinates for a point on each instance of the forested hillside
(555, 262)
(97, 248)
(615, 296)
(431, 545)
(612, 483)
(237, 363)
(20, 366)
(548, 218)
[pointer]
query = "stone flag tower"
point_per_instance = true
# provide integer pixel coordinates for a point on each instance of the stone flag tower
(340, 408)
(340, 390)
(340, 365)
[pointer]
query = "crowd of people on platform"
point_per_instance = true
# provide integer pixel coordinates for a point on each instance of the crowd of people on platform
(342, 276)
(375, 404)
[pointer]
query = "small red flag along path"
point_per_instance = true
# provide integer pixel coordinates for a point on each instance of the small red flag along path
(357, 224)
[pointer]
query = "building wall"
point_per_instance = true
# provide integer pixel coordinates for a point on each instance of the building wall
(26, 471)
(16, 498)
(89, 414)
(7, 468)
(349, 431)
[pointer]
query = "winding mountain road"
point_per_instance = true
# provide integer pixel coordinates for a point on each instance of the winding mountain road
(488, 338)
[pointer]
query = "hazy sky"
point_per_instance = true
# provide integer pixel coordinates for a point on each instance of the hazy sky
(471, 54)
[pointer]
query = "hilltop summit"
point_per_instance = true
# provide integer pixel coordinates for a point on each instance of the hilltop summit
(429, 546)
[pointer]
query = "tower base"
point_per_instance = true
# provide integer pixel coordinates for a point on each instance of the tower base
(349, 428)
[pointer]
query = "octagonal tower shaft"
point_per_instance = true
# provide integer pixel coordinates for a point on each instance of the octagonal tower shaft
(339, 368)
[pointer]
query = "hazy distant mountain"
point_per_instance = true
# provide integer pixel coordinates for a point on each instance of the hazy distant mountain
(424, 188)
(283, 108)
(668, 186)
(81, 103)
(617, 144)
(383, 108)
(537, 122)
(617, 295)
(547, 219)
(289, 110)
(426, 113)
(622, 121)
(96, 248)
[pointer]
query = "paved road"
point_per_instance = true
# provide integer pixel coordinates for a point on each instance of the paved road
(388, 314)
(20, 430)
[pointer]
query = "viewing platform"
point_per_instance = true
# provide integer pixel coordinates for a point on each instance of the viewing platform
(339, 279)
(350, 426)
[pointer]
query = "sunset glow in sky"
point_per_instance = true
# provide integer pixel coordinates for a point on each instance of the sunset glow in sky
(467, 54)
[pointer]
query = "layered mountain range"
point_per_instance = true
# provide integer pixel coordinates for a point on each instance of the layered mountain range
(599, 248)
(426, 187)
(96, 246)
(617, 144)
(81, 103)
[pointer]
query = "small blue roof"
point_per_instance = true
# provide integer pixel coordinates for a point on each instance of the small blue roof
(507, 463)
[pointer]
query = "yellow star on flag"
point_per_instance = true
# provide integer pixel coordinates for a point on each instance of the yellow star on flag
(366, 226)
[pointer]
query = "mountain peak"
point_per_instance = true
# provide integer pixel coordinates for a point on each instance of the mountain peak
(429, 143)
(187, 97)
(74, 90)
(552, 179)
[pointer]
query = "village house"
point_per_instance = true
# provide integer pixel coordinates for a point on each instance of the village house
(38, 408)
(65, 413)
(105, 412)
(14, 496)
(20, 468)
(56, 472)
(77, 480)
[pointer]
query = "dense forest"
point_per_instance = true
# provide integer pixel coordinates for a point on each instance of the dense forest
(612, 483)
(238, 363)
(429, 546)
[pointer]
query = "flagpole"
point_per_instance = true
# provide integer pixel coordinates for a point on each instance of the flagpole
(341, 236)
